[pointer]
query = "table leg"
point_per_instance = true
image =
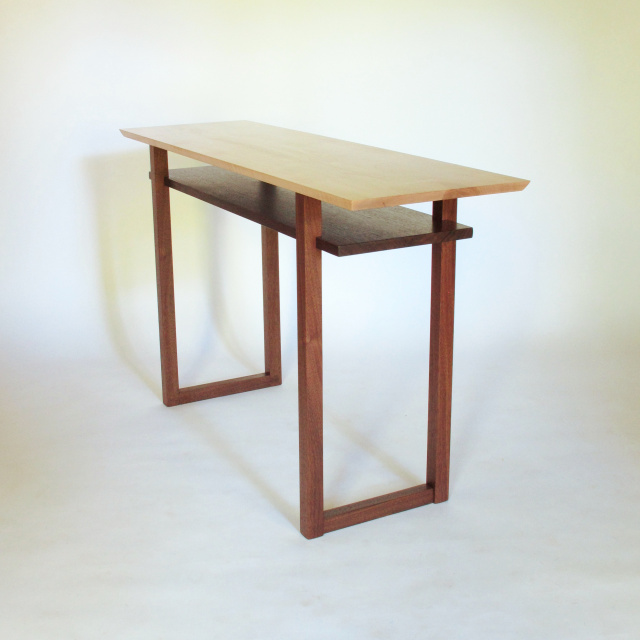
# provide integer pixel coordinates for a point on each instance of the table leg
(164, 275)
(443, 272)
(436, 489)
(309, 275)
(172, 393)
(271, 304)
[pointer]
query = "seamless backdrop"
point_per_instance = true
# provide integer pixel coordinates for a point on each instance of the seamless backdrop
(547, 326)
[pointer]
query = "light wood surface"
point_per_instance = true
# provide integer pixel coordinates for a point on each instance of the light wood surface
(348, 175)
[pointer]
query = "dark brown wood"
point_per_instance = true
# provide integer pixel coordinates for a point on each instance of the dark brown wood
(316, 227)
(309, 276)
(343, 232)
(271, 304)
(172, 394)
(164, 275)
(377, 507)
(443, 274)
(226, 387)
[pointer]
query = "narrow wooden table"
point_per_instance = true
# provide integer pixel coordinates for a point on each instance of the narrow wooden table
(305, 186)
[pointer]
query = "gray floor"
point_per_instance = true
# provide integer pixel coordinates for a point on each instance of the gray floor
(120, 518)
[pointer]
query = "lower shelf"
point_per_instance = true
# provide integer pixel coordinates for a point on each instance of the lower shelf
(344, 233)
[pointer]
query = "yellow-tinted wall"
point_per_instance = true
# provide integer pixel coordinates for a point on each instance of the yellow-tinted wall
(548, 91)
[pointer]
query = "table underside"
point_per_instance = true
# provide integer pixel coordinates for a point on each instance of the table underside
(315, 227)
(344, 232)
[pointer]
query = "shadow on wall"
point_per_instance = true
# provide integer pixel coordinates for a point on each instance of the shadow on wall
(121, 207)
(124, 225)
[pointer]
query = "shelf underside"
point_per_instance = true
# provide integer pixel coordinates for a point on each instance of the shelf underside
(344, 233)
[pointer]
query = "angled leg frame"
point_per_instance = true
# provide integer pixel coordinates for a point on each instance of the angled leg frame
(314, 520)
(172, 394)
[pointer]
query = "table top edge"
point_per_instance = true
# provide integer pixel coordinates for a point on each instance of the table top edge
(511, 184)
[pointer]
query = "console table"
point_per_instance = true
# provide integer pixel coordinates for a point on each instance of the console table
(333, 196)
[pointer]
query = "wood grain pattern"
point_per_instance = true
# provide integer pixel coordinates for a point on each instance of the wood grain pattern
(256, 170)
(377, 507)
(228, 387)
(271, 304)
(443, 272)
(172, 393)
(309, 277)
(164, 275)
(343, 232)
(348, 175)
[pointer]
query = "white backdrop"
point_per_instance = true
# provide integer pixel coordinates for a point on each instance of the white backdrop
(537, 90)
(541, 90)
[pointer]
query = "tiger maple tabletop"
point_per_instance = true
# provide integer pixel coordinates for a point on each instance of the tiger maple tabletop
(306, 186)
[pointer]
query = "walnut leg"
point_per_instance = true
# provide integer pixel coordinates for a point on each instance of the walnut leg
(172, 394)
(443, 272)
(436, 488)
(271, 303)
(164, 276)
(309, 275)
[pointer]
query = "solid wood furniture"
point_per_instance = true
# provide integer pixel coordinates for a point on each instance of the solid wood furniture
(333, 196)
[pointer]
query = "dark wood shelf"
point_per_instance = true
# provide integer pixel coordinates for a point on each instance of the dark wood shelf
(344, 232)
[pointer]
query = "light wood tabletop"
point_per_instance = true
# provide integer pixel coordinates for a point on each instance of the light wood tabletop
(307, 186)
(349, 175)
